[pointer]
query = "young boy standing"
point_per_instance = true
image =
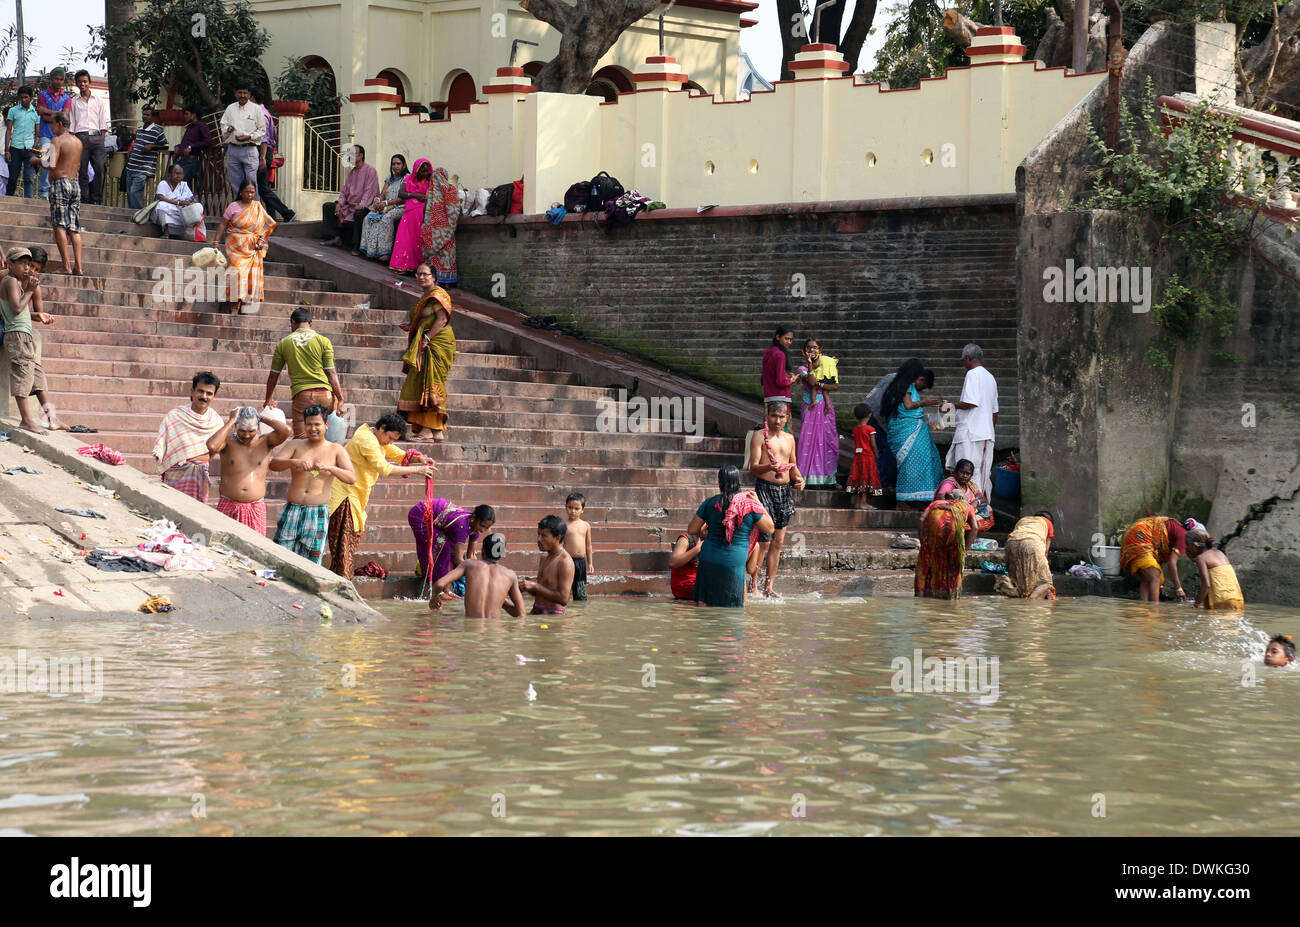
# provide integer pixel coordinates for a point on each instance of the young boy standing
(555, 574)
(577, 541)
(314, 464)
(19, 299)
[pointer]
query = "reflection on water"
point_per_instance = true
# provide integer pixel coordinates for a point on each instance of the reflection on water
(778, 720)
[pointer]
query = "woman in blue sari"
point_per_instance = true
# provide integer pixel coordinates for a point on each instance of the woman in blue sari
(734, 519)
(919, 467)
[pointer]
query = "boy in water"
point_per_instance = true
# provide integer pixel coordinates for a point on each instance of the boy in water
(1219, 587)
(577, 541)
(489, 586)
(555, 574)
(314, 464)
(1280, 651)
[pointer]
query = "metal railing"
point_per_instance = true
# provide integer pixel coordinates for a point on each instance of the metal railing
(322, 155)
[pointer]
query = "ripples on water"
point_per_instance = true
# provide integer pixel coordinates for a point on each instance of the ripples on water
(777, 720)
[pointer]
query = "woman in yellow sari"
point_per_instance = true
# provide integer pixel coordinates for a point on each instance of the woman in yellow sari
(246, 227)
(430, 352)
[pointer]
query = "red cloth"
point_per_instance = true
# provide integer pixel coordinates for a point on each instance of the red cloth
(249, 514)
(682, 579)
(741, 505)
(776, 374)
(102, 452)
(372, 569)
(1177, 535)
(517, 198)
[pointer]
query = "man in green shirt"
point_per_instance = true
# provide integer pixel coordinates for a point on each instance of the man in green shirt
(312, 378)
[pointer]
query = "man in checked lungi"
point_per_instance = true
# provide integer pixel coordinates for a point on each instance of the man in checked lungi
(182, 446)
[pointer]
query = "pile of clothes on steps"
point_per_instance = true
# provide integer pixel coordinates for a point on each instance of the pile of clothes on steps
(165, 549)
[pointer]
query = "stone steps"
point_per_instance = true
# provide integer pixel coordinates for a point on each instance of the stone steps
(522, 434)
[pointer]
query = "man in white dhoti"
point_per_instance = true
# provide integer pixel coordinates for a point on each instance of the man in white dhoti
(173, 196)
(977, 414)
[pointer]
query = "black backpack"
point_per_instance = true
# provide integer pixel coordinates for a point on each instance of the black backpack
(577, 197)
(604, 189)
(498, 203)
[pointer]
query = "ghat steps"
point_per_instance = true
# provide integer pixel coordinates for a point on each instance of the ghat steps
(521, 438)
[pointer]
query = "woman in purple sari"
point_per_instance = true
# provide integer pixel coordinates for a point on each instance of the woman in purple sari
(819, 439)
(408, 252)
(445, 534)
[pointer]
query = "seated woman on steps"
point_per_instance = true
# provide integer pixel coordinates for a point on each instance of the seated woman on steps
(246, 227)
(173, 195)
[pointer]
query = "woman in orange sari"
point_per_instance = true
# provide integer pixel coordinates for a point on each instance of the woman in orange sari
(1150, 545)
(430, 352)
(246, 227)
(947, 528)
(962, 480)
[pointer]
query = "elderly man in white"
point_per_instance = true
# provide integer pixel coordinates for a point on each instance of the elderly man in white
(977, 414)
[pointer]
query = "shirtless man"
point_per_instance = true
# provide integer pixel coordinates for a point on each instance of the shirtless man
(63, 158)
(773, 462)
(554, 581)
(245, 457)
(314, 464)
(488, 584)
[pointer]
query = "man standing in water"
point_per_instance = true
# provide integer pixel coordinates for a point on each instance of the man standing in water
(488, 584)
(245, 458)
(313, 464)
(554, 581)
(772, 460)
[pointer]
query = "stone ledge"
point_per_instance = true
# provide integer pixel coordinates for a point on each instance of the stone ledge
(192, 517)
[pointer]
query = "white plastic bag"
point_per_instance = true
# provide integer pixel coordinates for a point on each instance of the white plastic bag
(192, 213)
(336, 428)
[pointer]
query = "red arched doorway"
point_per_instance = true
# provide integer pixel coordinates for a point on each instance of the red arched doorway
(395, 81)
(461, 94)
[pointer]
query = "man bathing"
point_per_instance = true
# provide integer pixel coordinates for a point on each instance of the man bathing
(773, 462)
(19, 303)
(63, 158)
(551, 589)
(314, 464)
(182, 445)
(489, 586)
(577, 541)
(245, 457)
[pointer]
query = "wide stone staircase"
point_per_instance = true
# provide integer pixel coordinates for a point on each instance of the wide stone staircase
(119, 356)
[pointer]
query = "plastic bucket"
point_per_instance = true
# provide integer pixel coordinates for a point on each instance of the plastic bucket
(1108, 559)
(1006, 483)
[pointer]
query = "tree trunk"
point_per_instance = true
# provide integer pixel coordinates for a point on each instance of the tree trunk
(121, 110)
(587, 30)
(1056, 50)
(864, 14)
(794, 33)
(1265, 70)
(960, 27)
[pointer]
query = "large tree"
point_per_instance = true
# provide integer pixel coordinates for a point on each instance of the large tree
(795, 20)
(588, 29)
(118, 13)
(194, 50)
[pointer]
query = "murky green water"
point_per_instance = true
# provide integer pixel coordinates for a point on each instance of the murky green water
(780, 720)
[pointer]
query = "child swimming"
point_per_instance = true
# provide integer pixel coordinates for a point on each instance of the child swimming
(1280, 651)
(1219, 587)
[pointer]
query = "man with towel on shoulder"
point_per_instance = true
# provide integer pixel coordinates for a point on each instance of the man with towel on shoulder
(182, 446)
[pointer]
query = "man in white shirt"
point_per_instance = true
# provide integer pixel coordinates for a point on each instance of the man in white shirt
(977, 414)
(243, 127)
(90, 125)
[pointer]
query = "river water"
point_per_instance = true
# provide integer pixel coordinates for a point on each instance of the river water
(651, 717)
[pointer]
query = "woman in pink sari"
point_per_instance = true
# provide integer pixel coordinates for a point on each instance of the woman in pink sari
(819, 439)
(438, 235)
(407, 252)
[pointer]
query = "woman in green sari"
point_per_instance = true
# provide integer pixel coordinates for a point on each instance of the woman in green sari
(430, 352)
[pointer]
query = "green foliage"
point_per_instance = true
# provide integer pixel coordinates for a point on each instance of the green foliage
(36, 79)
(1183, 180)
(916, 46)
(198, 50)
(315, 85)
